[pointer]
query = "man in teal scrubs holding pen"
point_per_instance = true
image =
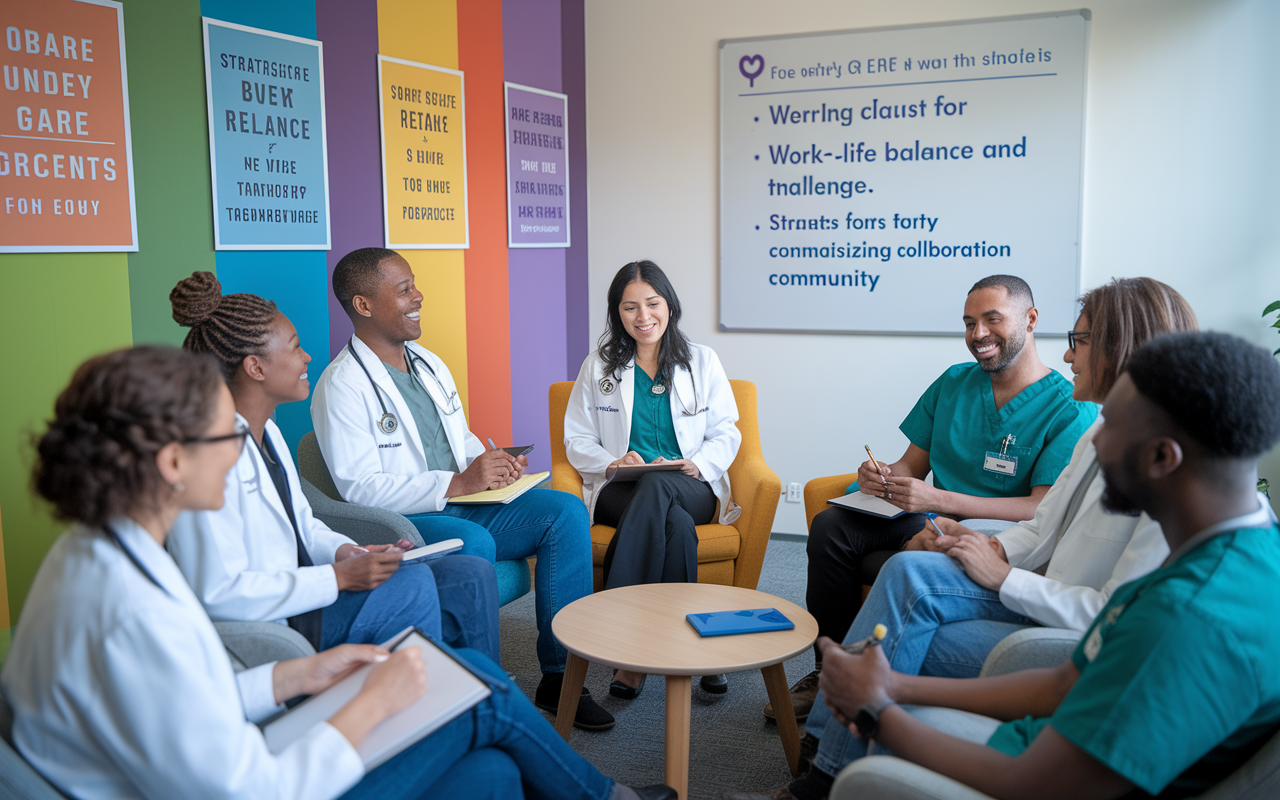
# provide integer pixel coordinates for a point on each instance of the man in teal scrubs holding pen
(995, 434)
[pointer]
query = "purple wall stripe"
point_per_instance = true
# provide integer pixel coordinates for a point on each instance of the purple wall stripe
(531, 46)
(349, 30)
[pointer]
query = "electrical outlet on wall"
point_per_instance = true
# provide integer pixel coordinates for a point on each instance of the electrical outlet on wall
(793, 493)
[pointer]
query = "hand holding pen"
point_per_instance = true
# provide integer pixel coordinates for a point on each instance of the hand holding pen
(872, 477)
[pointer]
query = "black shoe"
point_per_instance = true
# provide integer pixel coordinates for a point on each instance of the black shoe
(715, 684)
(808, 750)
(622, 691)
(658, 791)
(590, 716)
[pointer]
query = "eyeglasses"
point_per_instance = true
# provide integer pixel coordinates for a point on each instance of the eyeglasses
(242, 430)
(1074, 337)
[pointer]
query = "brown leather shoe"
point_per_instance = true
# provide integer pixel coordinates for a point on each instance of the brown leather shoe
(802, 696)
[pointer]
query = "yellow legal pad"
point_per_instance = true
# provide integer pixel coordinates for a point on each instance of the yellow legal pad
(504, 495)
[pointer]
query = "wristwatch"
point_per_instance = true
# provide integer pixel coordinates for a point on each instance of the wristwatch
(867, 719)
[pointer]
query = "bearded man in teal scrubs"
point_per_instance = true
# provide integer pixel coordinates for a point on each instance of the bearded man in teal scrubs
(1176, 684)
(995, 433)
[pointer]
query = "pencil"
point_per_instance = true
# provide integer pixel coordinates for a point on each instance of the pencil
(876, 464)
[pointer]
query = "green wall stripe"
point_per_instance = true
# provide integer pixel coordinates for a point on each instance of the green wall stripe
(61, 308)
(168, 114)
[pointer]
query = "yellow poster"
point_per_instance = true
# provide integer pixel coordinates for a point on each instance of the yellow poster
(424, 155)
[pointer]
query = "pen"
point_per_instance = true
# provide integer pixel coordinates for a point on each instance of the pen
(876, 464)
(491, 444)
(931, 518)
(877, 636)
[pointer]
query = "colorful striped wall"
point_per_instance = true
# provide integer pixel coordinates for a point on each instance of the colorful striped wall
(508, 322)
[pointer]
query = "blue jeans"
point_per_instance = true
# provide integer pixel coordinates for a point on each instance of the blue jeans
(500, 749)
(452, 599)
(940, 623)
(545, 523)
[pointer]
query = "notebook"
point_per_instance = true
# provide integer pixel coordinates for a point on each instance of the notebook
(451, 690)
(754, 620)
(504, 495)
(867, 504)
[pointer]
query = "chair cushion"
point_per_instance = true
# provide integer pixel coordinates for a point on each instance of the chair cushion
(715, 543)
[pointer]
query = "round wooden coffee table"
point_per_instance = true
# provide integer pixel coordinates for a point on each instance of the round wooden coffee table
(643, 629)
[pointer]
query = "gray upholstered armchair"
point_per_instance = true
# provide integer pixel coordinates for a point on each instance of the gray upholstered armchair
(889, 778)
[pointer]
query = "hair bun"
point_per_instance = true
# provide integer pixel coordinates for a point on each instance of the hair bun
(195, 299)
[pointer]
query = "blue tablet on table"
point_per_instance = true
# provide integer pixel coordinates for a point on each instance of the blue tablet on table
(754, 620)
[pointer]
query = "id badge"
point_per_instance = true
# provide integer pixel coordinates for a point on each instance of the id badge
(1001, 465)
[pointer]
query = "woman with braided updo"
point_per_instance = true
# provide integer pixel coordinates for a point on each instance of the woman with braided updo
(264, 555)
(119, 684)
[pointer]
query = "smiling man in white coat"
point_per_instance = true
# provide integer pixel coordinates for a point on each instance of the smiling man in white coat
(390, 424)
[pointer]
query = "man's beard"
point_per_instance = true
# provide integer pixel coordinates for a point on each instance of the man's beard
(1006, 352)
(1116, 500)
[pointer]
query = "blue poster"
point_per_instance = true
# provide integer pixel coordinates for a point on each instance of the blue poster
(266, 139)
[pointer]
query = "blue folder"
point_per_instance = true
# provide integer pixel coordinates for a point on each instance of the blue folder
(755, 620)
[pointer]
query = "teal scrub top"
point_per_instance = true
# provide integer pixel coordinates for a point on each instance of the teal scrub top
(957, 422)
(1180, 672)
(435, 443)
(653, 432)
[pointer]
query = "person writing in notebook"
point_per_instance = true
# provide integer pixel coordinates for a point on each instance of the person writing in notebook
(995, 433)
(264, 556)
(391, 426)
(119, 684)
(649, 395)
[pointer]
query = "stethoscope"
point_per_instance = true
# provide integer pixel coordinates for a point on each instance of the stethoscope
(388, 423)
(608, 386)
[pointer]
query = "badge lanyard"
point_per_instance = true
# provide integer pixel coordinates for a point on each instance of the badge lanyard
(1002, 463)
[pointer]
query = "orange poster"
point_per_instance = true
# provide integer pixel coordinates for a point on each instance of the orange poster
(424, 155)
(66, 167)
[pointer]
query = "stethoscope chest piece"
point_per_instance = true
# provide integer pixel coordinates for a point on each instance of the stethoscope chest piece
(388, 424)
(659, 389)
(607, 386)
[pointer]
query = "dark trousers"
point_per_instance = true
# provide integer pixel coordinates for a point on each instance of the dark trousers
(846, 550)
(655, 517)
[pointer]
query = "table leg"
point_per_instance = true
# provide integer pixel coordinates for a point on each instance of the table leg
(677, 763)
(575, 674)
(775, 680)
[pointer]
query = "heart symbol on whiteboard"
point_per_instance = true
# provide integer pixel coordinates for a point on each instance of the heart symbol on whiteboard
(751, 67)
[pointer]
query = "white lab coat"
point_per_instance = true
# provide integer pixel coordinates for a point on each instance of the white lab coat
(122, 689)
(242, 560)
(597, 424)
(373, 468)
(1098, 552)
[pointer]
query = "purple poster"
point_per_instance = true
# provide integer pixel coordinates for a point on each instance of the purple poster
(537, 167)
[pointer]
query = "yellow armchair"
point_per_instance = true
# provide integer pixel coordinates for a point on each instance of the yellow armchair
(731, 555)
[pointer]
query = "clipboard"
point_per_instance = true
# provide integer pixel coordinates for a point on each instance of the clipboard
(867, 504)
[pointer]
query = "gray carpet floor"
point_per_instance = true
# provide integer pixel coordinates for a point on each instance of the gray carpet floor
(733, 747)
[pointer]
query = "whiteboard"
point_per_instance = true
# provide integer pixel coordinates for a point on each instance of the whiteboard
(869, 178)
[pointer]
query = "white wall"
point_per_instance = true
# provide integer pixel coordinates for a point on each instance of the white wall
(1181, 176)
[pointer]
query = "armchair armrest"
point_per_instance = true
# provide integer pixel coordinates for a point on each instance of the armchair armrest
(1031, 648)
(365, 524)
(819, 490)
(758, 490)
(889, 778)
(252, 644)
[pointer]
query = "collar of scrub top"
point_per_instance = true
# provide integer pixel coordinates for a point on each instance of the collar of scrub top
(115, 537)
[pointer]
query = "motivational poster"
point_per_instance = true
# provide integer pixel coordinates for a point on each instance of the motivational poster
(537, 167)
(267, 146)
(424, 155)
(66, 167)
